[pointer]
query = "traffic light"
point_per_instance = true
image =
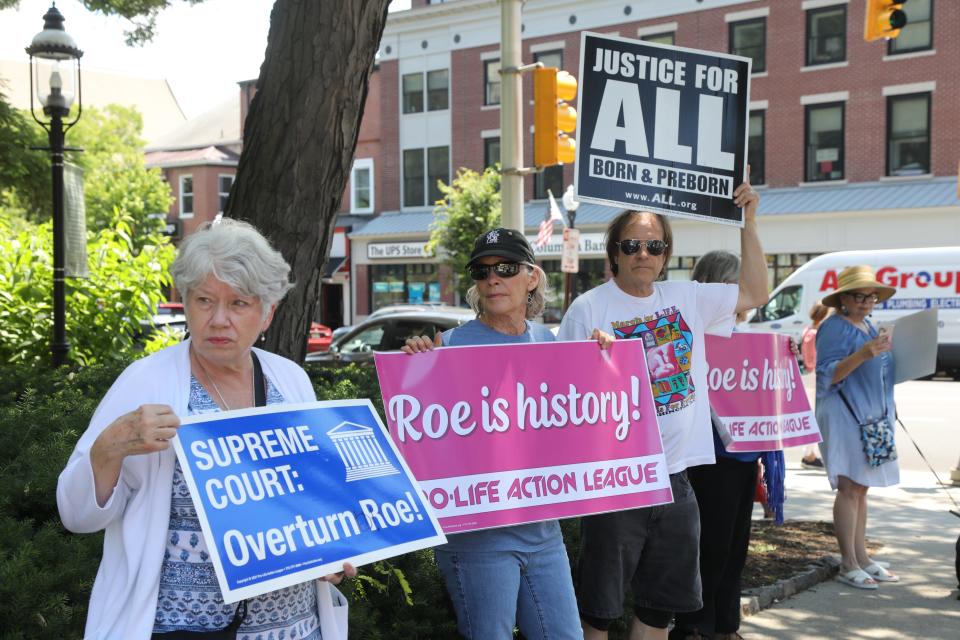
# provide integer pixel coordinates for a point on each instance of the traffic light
(885, 18)
(553, 118)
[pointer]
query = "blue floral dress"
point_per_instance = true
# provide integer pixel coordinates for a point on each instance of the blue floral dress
(190, 599)
(869, 389)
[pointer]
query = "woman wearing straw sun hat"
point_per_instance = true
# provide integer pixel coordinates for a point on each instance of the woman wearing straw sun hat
(856, 415)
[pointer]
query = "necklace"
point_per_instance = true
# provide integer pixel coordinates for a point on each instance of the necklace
(212, 381)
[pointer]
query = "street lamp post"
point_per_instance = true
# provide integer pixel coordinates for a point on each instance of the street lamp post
(570, 203)
(50, 47)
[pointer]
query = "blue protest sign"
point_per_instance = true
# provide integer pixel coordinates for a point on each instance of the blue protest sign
(661, 128)
(289, 493)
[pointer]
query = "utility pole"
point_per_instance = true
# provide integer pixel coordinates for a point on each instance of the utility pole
(511, 115)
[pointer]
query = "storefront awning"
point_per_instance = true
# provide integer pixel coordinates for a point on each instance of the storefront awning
(332, 265)
(862, 196)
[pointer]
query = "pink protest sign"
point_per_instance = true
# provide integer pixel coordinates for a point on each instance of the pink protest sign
(507, 434)
(756, 390)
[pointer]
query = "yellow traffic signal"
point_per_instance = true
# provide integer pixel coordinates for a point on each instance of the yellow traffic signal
(553, 118)
(885, 18)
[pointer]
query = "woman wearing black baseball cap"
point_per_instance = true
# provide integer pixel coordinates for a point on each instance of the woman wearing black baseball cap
(517, 575)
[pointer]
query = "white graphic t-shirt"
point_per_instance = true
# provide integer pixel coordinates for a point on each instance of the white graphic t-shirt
(671, 323)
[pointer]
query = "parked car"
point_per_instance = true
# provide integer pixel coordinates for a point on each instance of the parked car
(395, 308)
(320, 337)
(388, 332)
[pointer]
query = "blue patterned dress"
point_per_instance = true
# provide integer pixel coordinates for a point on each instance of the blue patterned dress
(190, 599)
(869, 389)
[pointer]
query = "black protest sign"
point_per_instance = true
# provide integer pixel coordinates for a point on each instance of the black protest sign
(661, 128)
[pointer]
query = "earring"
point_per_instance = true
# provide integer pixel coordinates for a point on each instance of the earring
(263, 336)
(844, 310)
(529, 298)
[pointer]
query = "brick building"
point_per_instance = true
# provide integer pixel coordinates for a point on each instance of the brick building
(853, 144)
(199, 161)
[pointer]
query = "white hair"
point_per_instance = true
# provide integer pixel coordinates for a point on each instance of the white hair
(235, 253)
(536, 300)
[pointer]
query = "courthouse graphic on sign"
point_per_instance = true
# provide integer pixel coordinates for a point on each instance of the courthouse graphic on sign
(360, 452)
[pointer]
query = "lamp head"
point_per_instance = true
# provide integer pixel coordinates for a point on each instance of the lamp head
(54, 43)
(570, 202)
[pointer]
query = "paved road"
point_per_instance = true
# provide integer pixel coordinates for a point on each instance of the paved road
(919, 535)
(930, 410)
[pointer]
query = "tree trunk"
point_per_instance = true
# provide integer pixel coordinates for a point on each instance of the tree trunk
(299, 139)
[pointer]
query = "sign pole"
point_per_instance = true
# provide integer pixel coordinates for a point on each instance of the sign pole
(511, 116)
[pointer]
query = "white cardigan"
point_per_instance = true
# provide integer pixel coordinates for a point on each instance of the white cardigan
(136, 517)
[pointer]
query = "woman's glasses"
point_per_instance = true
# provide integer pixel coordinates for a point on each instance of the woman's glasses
(860, 298)
(480, 272)
(631, 246)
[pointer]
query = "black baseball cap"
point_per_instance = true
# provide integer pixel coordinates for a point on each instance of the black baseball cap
(503, 243)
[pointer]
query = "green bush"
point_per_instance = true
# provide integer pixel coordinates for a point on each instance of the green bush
(103, 312)
(46, 572)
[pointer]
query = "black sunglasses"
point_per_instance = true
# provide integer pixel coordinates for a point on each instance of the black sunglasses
(502, 269)
(631, 246)
(860, 298)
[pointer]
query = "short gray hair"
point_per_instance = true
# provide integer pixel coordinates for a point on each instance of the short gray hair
(237, 254)
(717, 266)
(536, 301)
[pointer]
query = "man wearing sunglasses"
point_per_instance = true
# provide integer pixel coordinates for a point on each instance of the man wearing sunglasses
(655, 551)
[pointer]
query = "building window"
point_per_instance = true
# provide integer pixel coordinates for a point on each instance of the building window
(361, 186)
(491, 151)
(398, 283)
(748, 38)
(186, 196)
(419, 182)
(413, 178)
(668, 37)
(908, 135)
(781, 265)
(756, 148)
(827, 35)
(438, 170)
(491, 82)
(438, 90)
(918, 34)
(413, 93)
(224, 182)
(824, 136)
(680, 267)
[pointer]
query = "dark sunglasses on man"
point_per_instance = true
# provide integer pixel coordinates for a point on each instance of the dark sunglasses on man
(480, 272)
(631, 245)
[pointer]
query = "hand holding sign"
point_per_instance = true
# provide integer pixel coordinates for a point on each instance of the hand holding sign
(746, 197)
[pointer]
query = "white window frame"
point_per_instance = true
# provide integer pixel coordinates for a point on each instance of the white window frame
(193, 204)
(361, 164)
(221, 194)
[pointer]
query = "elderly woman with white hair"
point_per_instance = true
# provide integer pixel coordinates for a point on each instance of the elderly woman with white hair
(155, 577)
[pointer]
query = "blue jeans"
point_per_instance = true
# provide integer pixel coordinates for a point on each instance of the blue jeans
(492, 591)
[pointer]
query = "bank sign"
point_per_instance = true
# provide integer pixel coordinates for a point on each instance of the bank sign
(661, 128)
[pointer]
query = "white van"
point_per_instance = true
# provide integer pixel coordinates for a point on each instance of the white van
(924, 278)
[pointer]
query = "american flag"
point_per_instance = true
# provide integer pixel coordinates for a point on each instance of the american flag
(546, 227)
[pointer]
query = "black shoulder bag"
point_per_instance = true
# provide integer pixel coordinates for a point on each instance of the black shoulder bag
(240, 613)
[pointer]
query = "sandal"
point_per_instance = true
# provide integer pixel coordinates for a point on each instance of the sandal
(880, 574)
(857, 578)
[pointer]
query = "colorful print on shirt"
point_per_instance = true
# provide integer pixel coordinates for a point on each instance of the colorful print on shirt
(668, 343)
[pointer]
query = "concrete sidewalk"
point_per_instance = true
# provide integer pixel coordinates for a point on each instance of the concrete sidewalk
(919, 536)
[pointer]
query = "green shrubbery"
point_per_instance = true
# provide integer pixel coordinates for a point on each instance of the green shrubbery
(46, 573)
